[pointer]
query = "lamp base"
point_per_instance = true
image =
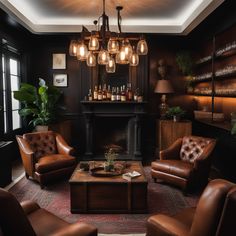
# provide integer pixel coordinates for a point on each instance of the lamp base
(163, 107)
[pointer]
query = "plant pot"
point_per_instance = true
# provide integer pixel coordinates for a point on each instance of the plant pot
(41, 128)
(176, 118)
(108, 166)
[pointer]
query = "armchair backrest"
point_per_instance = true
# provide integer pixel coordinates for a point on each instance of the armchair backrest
(12, 217)
(227, 222)
(210, 207)
(42, 143)
(194, 146)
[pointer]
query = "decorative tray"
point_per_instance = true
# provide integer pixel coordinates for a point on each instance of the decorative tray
(100, 172)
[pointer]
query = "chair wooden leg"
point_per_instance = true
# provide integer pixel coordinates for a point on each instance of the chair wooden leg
(26, 175)
(155, 180)
(41, 186)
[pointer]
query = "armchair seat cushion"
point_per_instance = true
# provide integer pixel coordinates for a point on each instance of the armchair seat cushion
(173, 167)
(54, 162)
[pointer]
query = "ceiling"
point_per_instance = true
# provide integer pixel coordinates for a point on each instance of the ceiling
(147, 16)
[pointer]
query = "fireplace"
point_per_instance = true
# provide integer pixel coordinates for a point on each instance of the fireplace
(114, 125)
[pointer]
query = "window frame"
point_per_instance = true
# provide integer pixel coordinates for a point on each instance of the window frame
(8, 52)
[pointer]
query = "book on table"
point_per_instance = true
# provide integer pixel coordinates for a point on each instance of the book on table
(130, 175)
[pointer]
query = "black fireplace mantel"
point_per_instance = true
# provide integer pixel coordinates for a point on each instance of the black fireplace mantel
(93, 109)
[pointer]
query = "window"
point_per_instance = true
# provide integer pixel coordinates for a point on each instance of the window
(10, 82)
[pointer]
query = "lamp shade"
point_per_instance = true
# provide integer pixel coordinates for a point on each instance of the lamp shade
(163, 86)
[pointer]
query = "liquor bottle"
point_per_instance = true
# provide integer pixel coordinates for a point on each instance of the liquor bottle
(129, 92)
(136, 95)
(113, 94)
(100, 93)
(109, 93)
(123, 95)
(104, 92)
(117, 94)
(95, 93)
(90, 96)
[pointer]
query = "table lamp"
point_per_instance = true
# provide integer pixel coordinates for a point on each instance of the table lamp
(163, 87)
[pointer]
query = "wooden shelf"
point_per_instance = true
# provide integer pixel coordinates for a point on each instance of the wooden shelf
(222, 125)
(227, 53)
(225, 76)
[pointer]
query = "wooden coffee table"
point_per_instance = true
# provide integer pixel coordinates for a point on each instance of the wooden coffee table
(90, 194)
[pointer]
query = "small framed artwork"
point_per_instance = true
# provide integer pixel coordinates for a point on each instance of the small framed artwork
(60, 80)
(58, 61)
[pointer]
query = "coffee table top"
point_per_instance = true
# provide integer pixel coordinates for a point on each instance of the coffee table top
(79, 175)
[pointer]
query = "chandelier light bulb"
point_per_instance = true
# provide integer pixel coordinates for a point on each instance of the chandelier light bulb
(93, 43)
(82, 52)
(127, 48)
(103, 57)
(113, 46)
(142, 48)
(91, 59)
(134, 59)
(111, 65)
(73, 48)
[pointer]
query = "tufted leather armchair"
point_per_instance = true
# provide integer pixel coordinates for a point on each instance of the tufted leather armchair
(28, 219)
(186, 163)
(45, 156)
(214, 215)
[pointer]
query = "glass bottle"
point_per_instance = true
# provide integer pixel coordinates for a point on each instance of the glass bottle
(123, 95)
(117, 94)
(104, 92)
(129, 92)
(136, 94)
(90, 96)
(109, 93)
(95, 93)
(100, 93)
(113, 95)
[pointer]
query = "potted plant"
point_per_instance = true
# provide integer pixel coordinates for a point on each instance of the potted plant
(38, 104)
(110, 156)
(176, 113)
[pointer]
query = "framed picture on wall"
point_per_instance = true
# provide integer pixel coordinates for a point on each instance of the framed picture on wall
(60, 80)
(58, 61)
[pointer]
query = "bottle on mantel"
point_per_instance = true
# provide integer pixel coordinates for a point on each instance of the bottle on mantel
(136, 95)
(129, 94)
(90, 96)
(95, 93)
(123, 95)
(100, 93)
(117, 94)
(109, 93)
(104, 92)
(113, 95)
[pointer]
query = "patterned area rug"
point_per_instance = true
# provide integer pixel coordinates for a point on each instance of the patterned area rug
(56, 198)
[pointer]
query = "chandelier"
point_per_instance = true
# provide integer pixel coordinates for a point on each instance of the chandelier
(104, 47)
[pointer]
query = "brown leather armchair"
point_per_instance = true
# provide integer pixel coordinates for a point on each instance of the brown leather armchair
(45, 156)
(29, 219)
(214, 215)
(186, 163)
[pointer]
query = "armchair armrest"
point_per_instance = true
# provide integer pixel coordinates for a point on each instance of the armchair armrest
(80, 229)
(171, 152)
(62, 146)
(27, 154)
(29, 206)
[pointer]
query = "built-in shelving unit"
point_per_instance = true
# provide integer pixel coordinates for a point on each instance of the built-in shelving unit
(214, 83)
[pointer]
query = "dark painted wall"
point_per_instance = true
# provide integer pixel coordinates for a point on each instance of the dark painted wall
(39, 49)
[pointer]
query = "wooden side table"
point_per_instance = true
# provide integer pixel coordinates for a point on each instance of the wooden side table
(169, 131)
